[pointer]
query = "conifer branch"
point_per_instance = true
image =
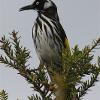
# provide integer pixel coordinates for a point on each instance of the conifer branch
(17, 57)
(75, 66)
(36, 97)
(3, 95)
(86, 85)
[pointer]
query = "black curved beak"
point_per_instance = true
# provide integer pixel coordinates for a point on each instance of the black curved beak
(29, 7)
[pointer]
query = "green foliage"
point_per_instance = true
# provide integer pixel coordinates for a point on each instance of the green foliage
(66, 85)
(86, 85)
(34, 97)
(77, 66)
(17, 57)
(3, 95)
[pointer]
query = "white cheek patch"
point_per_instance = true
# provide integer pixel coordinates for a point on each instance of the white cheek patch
(47, 4)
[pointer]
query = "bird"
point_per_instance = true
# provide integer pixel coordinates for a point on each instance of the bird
(47, 33)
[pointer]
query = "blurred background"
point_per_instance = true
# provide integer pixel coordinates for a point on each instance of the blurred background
(81, 21)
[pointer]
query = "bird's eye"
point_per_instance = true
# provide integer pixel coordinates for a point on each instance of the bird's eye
(37, 3)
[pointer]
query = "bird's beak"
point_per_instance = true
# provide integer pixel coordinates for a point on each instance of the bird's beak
(29, 7)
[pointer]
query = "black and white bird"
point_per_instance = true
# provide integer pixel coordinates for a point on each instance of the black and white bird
(48, 35)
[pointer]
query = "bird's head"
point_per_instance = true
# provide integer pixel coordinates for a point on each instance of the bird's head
(40, 6)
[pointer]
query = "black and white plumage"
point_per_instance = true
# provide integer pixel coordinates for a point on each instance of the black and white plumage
(47, 33)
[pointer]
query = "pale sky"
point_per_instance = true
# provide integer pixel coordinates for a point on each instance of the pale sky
(81, 21)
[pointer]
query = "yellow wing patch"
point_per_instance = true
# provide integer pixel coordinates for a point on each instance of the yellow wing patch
(66, 45)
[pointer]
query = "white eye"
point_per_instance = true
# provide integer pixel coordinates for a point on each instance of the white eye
(47, 4)
(37, 3)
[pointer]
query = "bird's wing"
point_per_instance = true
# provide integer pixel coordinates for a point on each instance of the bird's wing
(64, 38)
